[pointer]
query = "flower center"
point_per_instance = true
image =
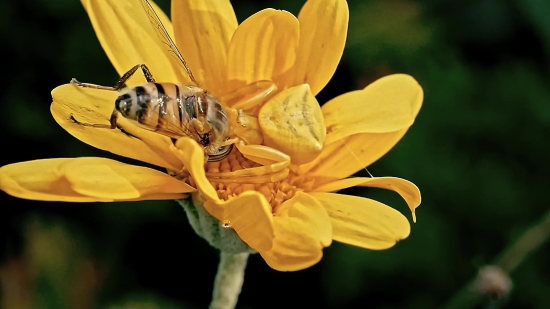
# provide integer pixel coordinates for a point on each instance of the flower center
(275, 192)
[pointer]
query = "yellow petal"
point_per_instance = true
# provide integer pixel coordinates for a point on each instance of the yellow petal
(128, 38)
(302, 229)
(323, 30)
(408, 190)
(40, 180)
(345, 157)
(107, 178)
(192, 156)
(203, 30)
(292, 122)
(96, 106)
(214, 208)
(363, 222)
(263, 48)
(387, 105)
(250, 216)
(347, 153)
(88, 180)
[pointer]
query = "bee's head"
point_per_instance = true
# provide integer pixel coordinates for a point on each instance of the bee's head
(205, 139)
(212, 142)
(220, 154)
(217, 128)
(217, 119)
(213, 149)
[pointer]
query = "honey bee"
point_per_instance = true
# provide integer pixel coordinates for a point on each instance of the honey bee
(171, 109)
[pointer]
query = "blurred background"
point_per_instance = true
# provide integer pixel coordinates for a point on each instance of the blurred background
(478, 152)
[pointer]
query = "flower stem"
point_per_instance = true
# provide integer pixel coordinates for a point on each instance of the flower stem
(229, 280)
(508, 261)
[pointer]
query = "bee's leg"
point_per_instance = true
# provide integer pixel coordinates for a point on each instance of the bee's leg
(148, 76)
(116, 87)
(111, 126)
(121, 83)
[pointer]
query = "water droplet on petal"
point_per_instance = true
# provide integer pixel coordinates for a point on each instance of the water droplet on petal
(226, 224)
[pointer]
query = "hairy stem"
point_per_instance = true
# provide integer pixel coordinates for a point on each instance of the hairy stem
(229, 280)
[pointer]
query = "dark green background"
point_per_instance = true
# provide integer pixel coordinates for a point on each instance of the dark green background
(477, 151)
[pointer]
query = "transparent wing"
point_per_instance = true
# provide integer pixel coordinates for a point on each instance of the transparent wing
(165, 37)
(165, 118)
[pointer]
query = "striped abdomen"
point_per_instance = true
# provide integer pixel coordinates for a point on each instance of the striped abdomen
(176, 111)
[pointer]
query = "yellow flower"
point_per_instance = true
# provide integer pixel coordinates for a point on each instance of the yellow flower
(285, 211)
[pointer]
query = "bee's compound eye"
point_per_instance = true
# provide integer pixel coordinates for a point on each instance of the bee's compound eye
(221, 154)
(205, 140)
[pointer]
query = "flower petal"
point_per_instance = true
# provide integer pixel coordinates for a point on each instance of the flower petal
(96, 106)
(292, 122)
(302, 229)
(40, 180)
(345, 157)
(408, 190)
(107, 178)
(263, 48)
(347, 153)
(323, 31)
(192, 156)
(128, 38)
(363, 222)
(387, 105)
(203, 30)
(88, 180)
(250, 216)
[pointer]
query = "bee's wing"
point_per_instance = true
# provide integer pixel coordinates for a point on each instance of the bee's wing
(165, 37)
(165, 118)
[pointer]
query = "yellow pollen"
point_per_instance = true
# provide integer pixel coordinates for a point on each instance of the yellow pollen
(230, 186)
